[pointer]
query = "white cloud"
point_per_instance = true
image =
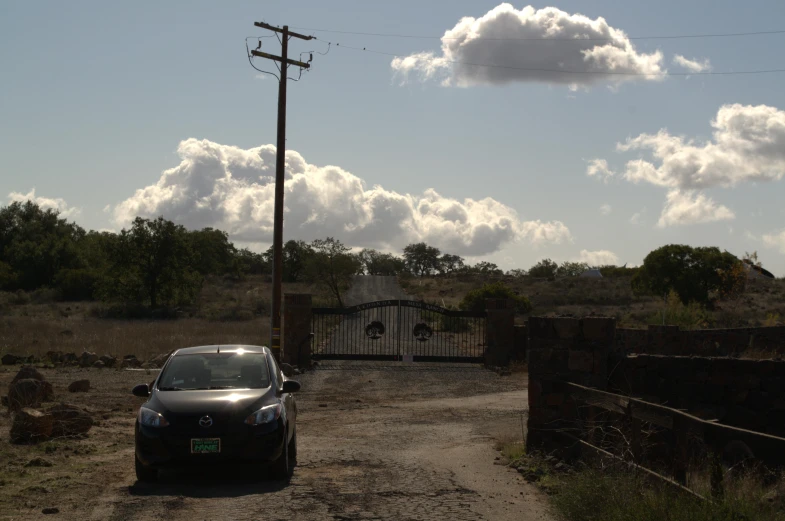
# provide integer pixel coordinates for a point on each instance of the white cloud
(775, 240)
(599, 168)
(232, 189)
(605, 209)
(598, 258)
(692, 65)
(692, 208)
(46, 203)
(748, 145)
(591, 50)
(637, 218)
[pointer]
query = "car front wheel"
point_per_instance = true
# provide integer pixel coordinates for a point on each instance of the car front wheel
(145, 474)
(281, 468)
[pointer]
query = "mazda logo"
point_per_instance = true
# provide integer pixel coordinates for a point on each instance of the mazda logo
(205, 421)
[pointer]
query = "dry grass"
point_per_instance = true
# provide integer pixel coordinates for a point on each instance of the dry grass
(227, 311)
(762, 304)
(36, 336)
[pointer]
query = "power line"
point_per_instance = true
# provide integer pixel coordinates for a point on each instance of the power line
(658, 37)
(566, 71)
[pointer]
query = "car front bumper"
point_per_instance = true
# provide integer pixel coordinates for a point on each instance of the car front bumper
(165, 447)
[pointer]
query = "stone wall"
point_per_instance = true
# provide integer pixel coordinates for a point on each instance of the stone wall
(744, 393)
(521, 343)
(671, 340)
(566, 349)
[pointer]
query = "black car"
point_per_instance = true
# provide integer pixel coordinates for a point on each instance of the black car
(217, 404)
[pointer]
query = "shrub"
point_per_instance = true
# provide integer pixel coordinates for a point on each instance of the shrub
(453, 324)
(475, 299)
(675, 313)
(78, 284)
(545, 269)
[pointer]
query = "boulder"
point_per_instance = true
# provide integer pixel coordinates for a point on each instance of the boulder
(70, 359)
(109, 361)
(28, 372)
(87, 359)
(159, 361)
(9, 359)
(54, 357)
(130, 362)
(99, 364)
(79, 386)
(69, 420)
(30, 425)
(28, 392)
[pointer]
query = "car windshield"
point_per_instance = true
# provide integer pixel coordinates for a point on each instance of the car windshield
(235, 370)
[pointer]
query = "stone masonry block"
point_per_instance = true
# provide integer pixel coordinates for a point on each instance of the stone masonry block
(540, 328)
(580, 361)
(599, 328)
(566, 328)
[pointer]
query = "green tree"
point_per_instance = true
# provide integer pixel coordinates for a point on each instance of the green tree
(378, 263)
(546, 268)
(571, 269)
(34, 245)
(213, 252)
(421, 259)
(475, 299)
(295, 257)
(449, 263)
(332, 266)
(486, 268)
(154, 262)
(693, 273)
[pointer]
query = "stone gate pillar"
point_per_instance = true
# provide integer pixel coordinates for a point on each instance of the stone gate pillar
(564, 350)
(297, 329)
(499, 331)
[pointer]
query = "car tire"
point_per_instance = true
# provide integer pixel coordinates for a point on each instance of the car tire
(280, 468)
(145, 474)
(293, 450)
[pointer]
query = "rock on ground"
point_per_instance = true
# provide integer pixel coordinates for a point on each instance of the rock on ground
(9, 359)
(108, 360)
(30, 425)
(69, 420)
(79, 386)
(28, 372)
(28, 393)
(88, 359)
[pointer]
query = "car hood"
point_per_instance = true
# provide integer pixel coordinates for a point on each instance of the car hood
(223, 401)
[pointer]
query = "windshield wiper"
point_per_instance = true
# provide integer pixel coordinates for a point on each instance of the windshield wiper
(171, 389)
(222, 387)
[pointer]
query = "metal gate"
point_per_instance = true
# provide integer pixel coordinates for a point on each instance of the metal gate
(406, 330)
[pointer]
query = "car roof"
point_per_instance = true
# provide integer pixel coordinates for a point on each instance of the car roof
(223, 348)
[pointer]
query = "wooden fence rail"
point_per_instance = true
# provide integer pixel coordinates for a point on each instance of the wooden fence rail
(686, 428)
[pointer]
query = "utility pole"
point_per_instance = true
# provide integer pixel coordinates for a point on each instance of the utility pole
(280, 164)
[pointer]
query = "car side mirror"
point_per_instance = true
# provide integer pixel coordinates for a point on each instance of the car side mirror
(290, 386)
(141, 390)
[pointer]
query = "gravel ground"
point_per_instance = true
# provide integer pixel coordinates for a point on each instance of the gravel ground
(376, 441)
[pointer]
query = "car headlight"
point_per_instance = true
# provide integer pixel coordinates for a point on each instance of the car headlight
(265, 415)
(150, 418)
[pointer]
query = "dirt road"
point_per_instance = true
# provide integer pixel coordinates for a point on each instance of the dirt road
(376, 441)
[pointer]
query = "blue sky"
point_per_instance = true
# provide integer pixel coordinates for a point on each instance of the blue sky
(97, 97)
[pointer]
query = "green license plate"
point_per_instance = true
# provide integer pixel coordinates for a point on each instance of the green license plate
(205, 445)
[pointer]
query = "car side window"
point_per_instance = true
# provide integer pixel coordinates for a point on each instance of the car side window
(276, 371)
